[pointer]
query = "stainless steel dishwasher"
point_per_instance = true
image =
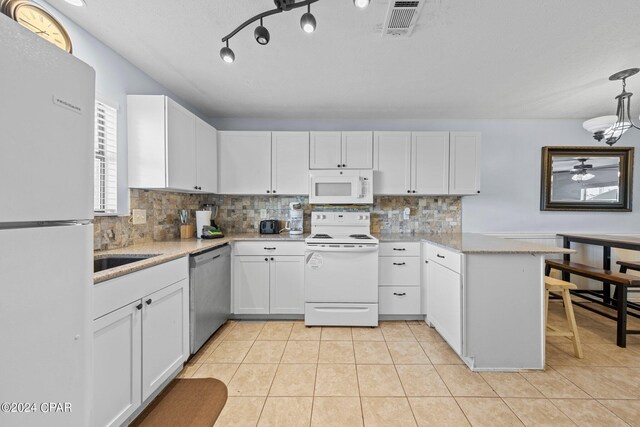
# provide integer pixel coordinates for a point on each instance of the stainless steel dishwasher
(210, 294)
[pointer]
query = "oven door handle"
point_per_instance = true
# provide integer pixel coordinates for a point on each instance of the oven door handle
(342, 249)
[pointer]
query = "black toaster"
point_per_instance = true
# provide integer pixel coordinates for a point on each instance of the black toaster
(269, 226)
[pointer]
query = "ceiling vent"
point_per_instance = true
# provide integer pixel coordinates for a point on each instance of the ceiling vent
(401, 18)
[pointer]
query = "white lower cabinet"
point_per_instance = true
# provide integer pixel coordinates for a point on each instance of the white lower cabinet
(163, 335)
(399, 279)
(268, 283)
(140, 345)
(117, 364)
(444, 303)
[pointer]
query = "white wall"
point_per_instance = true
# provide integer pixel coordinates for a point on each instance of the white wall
(511, 154)
(115, 79)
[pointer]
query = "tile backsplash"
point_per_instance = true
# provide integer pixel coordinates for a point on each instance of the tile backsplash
(238, 214)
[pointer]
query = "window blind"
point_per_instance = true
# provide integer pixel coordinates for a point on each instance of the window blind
(105, 195)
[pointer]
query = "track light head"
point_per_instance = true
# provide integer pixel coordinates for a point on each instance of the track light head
(261, 34)
(308, 22)
(361, 4)
(227, 54)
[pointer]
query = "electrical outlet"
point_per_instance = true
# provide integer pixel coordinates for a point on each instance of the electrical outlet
(406, 213)
(263, 214)
(139, 216)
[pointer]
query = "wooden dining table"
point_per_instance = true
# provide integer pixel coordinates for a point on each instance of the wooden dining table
(607, 242)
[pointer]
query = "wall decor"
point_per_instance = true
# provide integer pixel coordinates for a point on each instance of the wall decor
(586, 179)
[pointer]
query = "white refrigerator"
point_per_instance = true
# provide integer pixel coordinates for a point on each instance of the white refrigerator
(46, 206)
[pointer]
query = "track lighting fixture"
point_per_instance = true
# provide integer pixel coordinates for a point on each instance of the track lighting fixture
(227, 54)
(308, 21)
(261, 34)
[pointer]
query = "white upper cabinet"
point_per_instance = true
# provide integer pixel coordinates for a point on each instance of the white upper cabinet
(464, 169)
(206, 157)
(341, 150)
(245, 162)
(357, 150)
(325, 150)
(289, 165)
(430, 163)
(164, 139)
(392, 163)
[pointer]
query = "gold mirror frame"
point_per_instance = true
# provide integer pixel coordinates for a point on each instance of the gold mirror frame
(626, 155)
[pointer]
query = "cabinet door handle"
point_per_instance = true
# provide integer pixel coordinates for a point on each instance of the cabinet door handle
(408, 191)
(399, 249)
(426, 261)
(139, 306)
(274, 191)
(269, 249)
(399, 294)
(399, 263)
(271, 258)
(413, 191)
(440, 256)
(149, 301)
(195, 187)
(344, 166)
(266, 259)
(268, 191)
(339, 166)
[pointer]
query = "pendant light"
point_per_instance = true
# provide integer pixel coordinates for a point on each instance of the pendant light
(611, 128)
(261, 34)
(308, 21)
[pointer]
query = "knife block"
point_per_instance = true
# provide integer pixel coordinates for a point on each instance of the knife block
(187, 231)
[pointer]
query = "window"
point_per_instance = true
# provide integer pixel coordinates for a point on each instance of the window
(105, 166)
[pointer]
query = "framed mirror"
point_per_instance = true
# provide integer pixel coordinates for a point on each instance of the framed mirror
(586, 179)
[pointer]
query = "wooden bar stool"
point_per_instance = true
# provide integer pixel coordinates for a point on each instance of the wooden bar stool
(555, 285)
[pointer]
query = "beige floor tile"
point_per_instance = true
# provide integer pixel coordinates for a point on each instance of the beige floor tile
(588, 413)
(538, 412)
(437, 411)
(553, 385)
(440, 353)
(510, 384)
(628, 410)
(301, 352)
(336, 352)
(294, 380)
(252, 380)
(605, 382)
(387, 411)
(286, 411)
(562, 354)
(372, 352)
(230, 352)
(334, 333)
(424, 333)
(265, 352)
(623, 356)
(336, 380)
(189, 370)
(336, 412)
(379, 380)
(299, 332)
(421, 380)
(221, 371)
(244, 331)
(367, 334)
(240, 412)
(407, 353)
(462, 382)
(399, 331)
(488, 412)
(275, 331)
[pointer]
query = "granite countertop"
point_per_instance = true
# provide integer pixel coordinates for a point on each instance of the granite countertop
(173, 249)
(473, 243)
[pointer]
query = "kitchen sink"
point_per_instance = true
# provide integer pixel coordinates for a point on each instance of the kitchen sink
(106, 262)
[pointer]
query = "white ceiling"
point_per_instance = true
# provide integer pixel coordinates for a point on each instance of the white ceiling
(465, 59)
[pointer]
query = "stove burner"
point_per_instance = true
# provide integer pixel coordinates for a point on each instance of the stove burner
(321, 236)
(360, 236)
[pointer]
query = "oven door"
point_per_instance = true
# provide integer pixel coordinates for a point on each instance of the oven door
(340, 187)
(341, 273)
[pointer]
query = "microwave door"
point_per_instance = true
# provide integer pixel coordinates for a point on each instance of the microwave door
(335, 189)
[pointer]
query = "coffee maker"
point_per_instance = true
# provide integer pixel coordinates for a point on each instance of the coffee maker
(296, 218)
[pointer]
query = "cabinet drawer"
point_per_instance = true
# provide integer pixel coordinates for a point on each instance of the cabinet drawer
(268, 248)
(445, 257)
(400, 249)
(399, 299)
(399, 271)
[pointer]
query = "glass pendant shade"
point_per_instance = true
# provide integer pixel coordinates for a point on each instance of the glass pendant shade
(583, 176)
(308, 23)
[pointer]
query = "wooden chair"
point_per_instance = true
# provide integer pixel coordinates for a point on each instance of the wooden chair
(556, 285)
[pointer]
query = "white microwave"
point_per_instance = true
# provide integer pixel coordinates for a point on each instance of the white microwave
(351, 187)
